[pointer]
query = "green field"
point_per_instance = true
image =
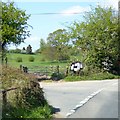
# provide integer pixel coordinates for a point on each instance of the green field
(38, 64)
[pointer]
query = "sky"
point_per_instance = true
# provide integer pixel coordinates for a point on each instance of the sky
(43, 24)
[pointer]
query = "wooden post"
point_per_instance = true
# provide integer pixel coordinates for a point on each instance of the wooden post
(67, 69)
(58, 69)
(4, 96)
(46, 71)
(6, 61)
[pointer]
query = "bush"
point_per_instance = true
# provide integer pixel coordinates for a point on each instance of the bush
(26, 101)
(31, 59)
(57, 76)
(19, 59)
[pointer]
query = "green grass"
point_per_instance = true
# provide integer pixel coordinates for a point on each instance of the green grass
(25, 59)
(38, 63)
(94, 76)
(38, 112)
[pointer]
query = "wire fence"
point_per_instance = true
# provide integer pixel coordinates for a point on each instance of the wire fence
(48, 70)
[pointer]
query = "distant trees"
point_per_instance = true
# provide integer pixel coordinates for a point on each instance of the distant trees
(57, 46)
(15, 51)
(24, 50)
(29, 49)
(42, 45)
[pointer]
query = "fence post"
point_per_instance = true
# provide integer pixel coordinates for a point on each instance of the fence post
(4, 96)
(6, 61)
(67, 69)
(46, 71)
(4, 93)
(58, 69)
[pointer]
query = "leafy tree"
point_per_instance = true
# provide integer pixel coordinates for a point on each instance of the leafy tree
(49, 52)
(42, 45)
(14, 25)
(58, 41)
(97, 37)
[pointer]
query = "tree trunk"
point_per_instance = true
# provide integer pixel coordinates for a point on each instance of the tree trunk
(3, 52)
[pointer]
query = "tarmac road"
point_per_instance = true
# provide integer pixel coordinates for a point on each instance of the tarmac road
(84, 99)
(103, 105)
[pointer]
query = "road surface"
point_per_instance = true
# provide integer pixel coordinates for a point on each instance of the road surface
(84, 99)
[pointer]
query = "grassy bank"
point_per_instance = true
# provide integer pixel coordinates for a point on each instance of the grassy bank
(27, 100)
(94, 76)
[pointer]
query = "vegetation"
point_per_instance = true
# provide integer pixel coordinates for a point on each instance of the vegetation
(57, 46)
(93, 76)
(38, 61)
(97, 47)
(15, 51)
(97, 37)
(31, 59)
(19, 59)
(25, 101)
(57, 76)
(95, 40)
(14, 26)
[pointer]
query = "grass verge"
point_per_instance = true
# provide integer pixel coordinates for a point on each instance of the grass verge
(94, 76)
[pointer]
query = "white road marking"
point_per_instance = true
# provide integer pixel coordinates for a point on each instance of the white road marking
(83, 102)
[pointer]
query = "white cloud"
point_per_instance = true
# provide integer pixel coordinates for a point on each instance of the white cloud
(107, 3)
(74, 10)
(79, 9)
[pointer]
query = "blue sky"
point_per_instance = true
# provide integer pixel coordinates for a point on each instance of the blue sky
(45, 24)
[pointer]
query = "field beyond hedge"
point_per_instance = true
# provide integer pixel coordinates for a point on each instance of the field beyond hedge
(38, 62)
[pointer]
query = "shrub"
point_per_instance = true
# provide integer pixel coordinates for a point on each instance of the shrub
(19, 59)
(31, 59)
(25, 101)
(43, 59)
(57, 76)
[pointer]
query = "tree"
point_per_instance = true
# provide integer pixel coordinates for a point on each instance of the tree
(58, 41)
(14, 25)
(97, 37)
(42, 45)
(29, 49)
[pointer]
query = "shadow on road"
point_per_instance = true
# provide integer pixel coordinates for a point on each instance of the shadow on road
(55, 110)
